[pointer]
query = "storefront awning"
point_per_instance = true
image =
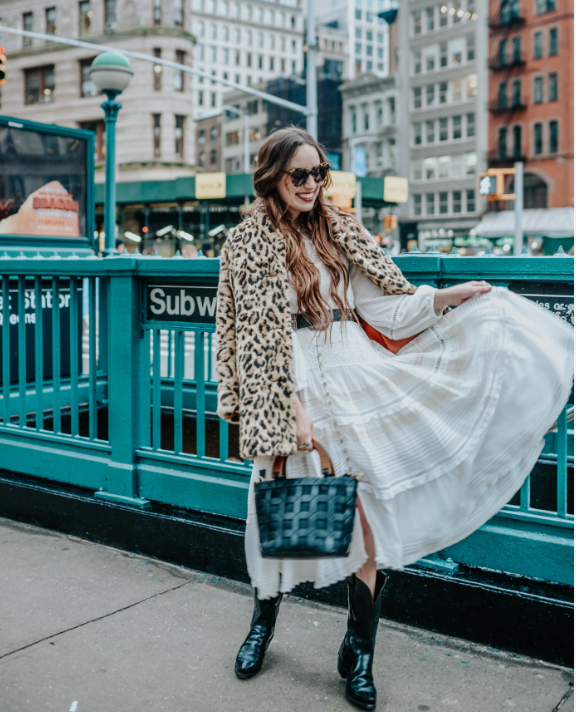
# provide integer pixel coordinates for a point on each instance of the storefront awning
(551, 222)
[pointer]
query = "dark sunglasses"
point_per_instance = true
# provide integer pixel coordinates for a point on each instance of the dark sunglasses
(300, 175)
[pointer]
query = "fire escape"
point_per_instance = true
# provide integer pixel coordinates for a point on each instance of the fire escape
(503, 66)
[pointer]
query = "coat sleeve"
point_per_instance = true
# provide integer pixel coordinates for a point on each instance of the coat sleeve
(226, 351)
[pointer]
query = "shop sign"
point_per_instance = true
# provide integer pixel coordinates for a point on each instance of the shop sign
(210, 185)
(395, 189)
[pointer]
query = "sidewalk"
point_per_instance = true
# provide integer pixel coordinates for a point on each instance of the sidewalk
(94, 629)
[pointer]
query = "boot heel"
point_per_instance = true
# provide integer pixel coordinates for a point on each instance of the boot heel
(341, 669)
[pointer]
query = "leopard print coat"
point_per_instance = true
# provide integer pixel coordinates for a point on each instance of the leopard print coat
(253, 326)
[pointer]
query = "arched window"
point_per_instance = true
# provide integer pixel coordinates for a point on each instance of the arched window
(509, 11)
(535, 191)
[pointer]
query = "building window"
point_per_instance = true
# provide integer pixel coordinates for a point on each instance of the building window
(553, 137)
(537, 45)
(430, 95)
(543, 6)
(537, 90)
(233, 138)
(458, 13)
(379, 114)
(443, 166)
(50, 20)
(157, 134)
(470, 48)
(457, 201)
(417, 169)
(430, 132)
(517, 133)
(87, 86)
(443, 54)
(430, 59)
(502, 96)
(429, 203)
(213, 133)
(471, 161)
(509, 11)
(429, 19)
(39, 85)
(471, 85)
(537, 139)
(502, 53)
(158, 14)
(502, 142)
(353, 125)
(157, 70)
(443, 87)
(110, 15)
(417, 59)
(417, 132)
(391, 111)
(443, 203)
(456, 127)
(99, 129)
(213, 156)
(457, 90)
(470, 125)
(417, 22)
(443, 16)
(430, 168)
(202, 136)
(470, 201)
(179, 136)
(179, 13)
(553, 87)
(417, 204)
(27, 24)
(417, 97)
(178, 73)
(517, 48)
(517, 92)
(85, 18)
(202, 159)
(553, 47)
(443, 132)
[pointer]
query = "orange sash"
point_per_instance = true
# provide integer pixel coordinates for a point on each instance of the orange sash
(393, 345)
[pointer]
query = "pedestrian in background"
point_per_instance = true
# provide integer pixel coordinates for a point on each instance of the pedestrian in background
(440, 422)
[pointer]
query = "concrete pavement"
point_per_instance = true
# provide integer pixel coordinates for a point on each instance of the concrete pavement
(88, 628)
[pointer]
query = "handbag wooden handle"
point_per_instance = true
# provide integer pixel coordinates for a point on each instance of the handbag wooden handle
(279, 466)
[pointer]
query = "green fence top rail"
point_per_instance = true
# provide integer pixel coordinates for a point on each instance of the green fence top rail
(416, 266)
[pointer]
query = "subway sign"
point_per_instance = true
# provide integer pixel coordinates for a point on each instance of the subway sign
(194, 304)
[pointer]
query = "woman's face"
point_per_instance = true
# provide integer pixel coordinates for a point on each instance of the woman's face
(301, 199)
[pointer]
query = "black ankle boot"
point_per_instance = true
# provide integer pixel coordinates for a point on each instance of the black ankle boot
(357, 650)
(251, 654)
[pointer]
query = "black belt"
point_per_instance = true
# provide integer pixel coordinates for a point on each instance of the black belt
(299, 321)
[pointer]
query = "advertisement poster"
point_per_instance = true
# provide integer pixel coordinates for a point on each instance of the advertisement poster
(42, 184)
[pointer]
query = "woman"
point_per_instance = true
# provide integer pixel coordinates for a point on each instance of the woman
(440, 435)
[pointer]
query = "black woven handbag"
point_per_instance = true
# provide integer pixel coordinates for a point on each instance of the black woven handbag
(306, 517)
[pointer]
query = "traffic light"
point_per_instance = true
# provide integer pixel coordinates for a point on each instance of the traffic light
(2, 66)
(491, 184)
(390, 222)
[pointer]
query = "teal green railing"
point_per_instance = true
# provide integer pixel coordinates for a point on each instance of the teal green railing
(98, 395)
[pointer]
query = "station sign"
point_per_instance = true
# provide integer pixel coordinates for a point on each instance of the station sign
(191, 304)
(395, 189)
(210, 185)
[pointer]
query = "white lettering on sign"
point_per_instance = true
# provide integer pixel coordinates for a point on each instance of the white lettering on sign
(155, 296)
(187, 305)
(206, 304)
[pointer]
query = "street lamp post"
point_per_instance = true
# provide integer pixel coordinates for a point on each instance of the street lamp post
(111, 72)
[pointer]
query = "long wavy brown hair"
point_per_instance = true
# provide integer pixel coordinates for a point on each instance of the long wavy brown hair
(273, 158)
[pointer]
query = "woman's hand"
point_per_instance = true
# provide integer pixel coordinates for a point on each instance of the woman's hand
(459, 293)
(304, 427)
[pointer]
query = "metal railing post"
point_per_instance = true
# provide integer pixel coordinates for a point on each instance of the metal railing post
(128, 388)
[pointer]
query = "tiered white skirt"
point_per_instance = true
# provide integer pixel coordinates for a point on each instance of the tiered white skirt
(443, 433)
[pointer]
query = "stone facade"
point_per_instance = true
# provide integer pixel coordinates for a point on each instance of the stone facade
(155, 134)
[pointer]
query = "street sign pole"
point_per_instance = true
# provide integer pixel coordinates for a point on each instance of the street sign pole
(518, 207)
(311, 88)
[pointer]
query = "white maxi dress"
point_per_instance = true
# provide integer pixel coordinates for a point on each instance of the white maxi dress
(442, 434)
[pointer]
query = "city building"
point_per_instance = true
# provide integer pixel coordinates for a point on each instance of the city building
(49, 82)
(442, 137)
(209, 142)
(531, 64)
(244, 41)
(367, 33)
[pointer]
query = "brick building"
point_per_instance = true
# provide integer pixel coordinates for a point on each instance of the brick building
(531, 63)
